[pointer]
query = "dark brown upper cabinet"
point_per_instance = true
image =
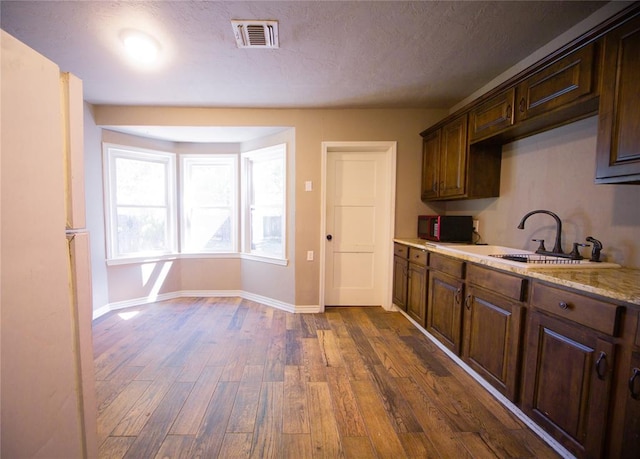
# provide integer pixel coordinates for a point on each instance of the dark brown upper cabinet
(557, 92)
(444, 161)
(431, 165)
(453, 169)
(596, 73)
(560, 85)
(618, 144)
(493, 116)
(453, 159)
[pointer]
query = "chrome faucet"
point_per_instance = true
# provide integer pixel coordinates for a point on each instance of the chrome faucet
(557, 248)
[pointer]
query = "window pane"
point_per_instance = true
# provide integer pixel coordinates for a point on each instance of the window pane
(209, 203)
(141, 230)
(268, 182)
(209, 230)
(140, 183)
(266, 201)
(211, 185)
(266, 231)
(140, 187)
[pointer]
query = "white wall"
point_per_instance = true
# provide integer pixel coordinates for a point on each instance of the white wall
(555, 171)
(95, 208)
(297, 283)
(122, 283)
(552, 170)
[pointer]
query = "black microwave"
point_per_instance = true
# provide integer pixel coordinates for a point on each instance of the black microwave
(445, 228)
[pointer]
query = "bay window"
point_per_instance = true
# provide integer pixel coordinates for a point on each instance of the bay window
(148, 214)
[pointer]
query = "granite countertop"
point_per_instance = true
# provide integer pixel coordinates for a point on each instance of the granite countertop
(621, 284)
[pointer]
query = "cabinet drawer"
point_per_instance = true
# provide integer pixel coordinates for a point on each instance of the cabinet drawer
(506, 284)
(417, 256)
(447, 265)
(595, 314)
(400, 250)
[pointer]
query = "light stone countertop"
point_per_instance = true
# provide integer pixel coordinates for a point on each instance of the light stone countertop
(621, 284)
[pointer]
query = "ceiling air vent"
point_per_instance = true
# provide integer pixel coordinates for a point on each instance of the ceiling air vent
(256, 34)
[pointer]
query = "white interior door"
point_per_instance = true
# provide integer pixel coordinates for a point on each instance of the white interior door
(359, 196)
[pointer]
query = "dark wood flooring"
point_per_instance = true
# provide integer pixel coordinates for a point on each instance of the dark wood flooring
(230, 378)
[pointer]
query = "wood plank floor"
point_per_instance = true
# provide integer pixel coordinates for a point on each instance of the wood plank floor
(230, 378)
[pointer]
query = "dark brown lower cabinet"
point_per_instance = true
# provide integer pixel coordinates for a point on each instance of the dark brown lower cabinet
(417, 285)
(444, 309)
(631, 429)
(567, 382)
(491, 338)
(417, 293)
(400, 276)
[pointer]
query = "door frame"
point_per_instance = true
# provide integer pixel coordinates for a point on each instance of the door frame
(389, 148)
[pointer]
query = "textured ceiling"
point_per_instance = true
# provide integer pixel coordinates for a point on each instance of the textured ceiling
(425, 54)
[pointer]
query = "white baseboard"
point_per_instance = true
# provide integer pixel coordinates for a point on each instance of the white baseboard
(207, 294)
(101, 311)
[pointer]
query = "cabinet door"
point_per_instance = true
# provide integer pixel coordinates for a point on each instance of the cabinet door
(492, 116)
(444, 309)
(400, 273)
(416, 293)
(631, 429)
(558, 85)
(453, 159)
(618, 144)
(491, 338)
(567, 383)
(430, 165)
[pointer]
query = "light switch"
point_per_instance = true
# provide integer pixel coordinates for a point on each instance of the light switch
(310, 255)
(308, 185)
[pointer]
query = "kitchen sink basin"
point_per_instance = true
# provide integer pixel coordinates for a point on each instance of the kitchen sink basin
(484, 250)
(520, 258)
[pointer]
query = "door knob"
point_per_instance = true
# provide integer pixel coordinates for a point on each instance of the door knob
(329, 237)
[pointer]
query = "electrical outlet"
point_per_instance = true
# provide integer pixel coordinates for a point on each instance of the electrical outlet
(476, 226)
(309, 255)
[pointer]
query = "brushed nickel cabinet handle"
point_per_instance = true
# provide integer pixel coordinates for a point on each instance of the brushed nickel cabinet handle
(508, 116)
(563, 305)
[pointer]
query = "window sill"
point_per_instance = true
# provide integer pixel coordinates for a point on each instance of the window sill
(178, 256)
(263, 259)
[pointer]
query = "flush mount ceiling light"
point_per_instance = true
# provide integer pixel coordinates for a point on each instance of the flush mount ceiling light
(140, 47)
(255, 34)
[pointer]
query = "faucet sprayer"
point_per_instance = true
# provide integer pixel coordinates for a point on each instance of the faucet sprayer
(597, 247)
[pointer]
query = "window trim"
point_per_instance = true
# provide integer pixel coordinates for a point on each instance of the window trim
(110, 204)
